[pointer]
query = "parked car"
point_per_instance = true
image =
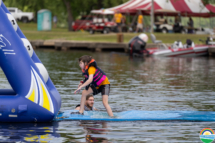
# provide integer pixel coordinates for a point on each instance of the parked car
(21, 16)
(101, 25)
(82, 23)
(165, 28)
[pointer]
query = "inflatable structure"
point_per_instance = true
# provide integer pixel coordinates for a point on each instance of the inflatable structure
(33, 97)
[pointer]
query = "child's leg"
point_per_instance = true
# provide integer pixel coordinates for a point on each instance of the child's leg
(83, 98)
(105, 103)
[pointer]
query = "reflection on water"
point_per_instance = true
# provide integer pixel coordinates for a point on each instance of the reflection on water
(136, 84)
(29, 132)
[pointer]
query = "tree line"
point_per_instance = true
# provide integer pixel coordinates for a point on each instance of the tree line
(65, 10)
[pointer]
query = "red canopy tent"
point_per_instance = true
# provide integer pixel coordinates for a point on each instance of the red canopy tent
(185, 7)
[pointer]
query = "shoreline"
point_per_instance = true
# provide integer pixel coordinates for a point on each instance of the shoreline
(65, 45)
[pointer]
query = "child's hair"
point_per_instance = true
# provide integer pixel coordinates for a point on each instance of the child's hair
(85, 59)
(88, 96)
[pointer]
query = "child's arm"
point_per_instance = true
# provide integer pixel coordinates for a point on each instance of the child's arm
(90, 79)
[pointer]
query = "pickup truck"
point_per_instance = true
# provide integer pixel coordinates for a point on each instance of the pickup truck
(21, 16)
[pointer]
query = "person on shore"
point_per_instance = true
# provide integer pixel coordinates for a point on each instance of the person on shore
(162, 20)
(55, 21)
(124, 27)
(139, 23)
(88, 106)
(190, 25)
(118, 20)
(95, 82)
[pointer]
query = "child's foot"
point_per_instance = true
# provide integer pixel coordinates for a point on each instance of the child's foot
(114, 117)
(77, 113)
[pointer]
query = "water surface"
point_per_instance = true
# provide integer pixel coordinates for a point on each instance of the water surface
(150, 84)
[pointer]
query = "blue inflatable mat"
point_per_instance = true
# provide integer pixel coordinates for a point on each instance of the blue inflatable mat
(140, 115)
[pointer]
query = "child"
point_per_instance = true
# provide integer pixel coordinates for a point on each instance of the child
(95, 82)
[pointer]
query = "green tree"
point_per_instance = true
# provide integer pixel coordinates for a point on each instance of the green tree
(208, 2)
(77, 7)
(66, 10)
(56, 7)
(69, 13)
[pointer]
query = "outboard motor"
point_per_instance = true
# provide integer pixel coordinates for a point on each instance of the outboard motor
(137, 45)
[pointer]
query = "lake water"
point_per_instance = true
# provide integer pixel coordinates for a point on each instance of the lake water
(136, 84)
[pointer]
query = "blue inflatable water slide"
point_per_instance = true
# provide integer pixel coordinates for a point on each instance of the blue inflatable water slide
(33, 97)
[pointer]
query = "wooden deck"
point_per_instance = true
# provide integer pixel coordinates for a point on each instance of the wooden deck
(93, 46)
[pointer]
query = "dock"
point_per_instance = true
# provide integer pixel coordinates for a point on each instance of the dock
(211, 51)
(65, 45)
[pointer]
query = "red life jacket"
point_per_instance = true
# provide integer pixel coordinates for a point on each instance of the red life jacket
(99, 75)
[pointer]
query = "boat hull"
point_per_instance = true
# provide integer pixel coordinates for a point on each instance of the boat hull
(180, 52)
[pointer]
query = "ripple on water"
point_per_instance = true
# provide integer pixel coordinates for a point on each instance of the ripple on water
(179, 84)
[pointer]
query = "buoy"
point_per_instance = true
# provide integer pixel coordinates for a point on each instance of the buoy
(43, 71)
(28, 46)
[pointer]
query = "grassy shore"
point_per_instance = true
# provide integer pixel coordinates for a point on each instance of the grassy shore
(30, 31)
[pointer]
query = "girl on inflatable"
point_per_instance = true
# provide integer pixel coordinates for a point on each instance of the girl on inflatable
(95, 82)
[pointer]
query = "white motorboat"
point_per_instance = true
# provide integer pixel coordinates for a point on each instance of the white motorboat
(199, 50)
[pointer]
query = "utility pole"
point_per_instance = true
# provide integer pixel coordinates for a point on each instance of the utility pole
(152, 16)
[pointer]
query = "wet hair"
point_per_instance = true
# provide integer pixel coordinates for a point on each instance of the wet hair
(88, 96)
(85, 59)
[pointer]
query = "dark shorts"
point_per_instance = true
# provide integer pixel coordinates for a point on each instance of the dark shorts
(104, 89)
(119, 24)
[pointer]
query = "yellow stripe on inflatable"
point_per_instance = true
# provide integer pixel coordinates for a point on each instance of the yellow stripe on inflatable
(46, 103)
(31, 138)
(32, 96)
(45, 100)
